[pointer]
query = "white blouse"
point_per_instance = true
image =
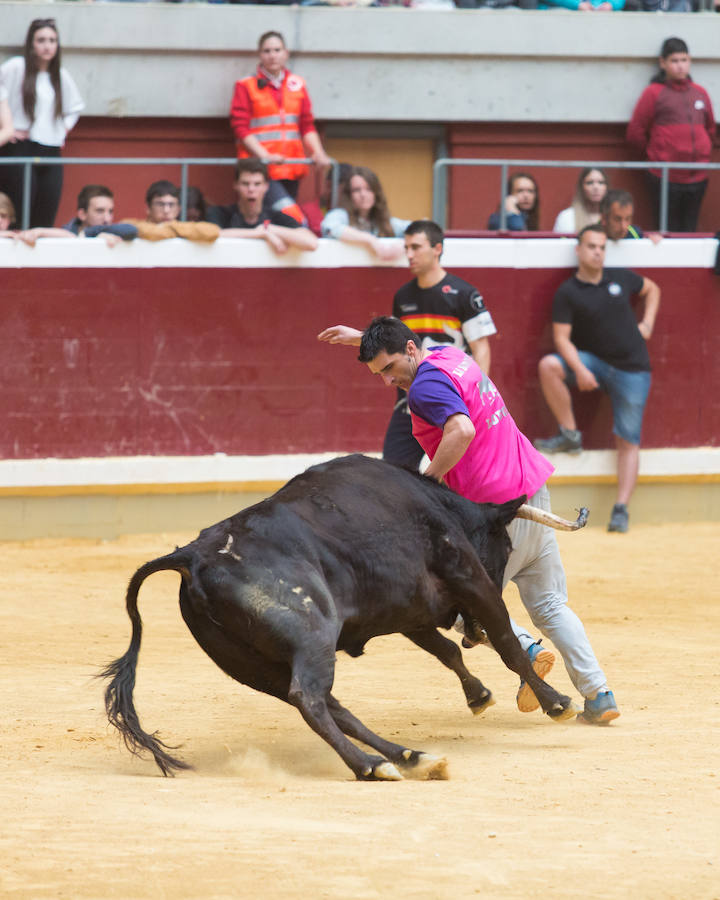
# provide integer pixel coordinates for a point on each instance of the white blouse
(46, 128)
(565, 222)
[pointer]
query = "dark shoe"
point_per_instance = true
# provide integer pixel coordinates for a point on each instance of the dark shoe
(542, 661)
(565, 441)
(599, 711)
(619, 518)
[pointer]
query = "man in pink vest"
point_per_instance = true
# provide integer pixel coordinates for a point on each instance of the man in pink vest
(462, 423)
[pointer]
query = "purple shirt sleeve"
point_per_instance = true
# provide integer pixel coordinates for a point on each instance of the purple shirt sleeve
(433, 397)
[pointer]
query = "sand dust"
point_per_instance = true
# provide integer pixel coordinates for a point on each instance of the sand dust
(533, 809)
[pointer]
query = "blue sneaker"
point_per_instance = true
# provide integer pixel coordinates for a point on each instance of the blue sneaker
(542, 661)
(600, 711)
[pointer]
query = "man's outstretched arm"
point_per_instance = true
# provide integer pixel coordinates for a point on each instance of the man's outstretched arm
(341, 334)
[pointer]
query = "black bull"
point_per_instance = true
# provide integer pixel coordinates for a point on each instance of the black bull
(348, 550)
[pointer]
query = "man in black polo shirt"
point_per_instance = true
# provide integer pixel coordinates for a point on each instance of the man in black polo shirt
(601, 345)
(441, 309)
(253, 217)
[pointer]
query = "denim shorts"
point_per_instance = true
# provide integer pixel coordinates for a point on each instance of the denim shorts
(628, 392)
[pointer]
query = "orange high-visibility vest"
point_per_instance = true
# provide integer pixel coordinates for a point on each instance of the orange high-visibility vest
(277, 127)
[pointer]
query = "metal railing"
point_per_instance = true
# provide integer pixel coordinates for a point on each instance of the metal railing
(27, 162)
(440, 193)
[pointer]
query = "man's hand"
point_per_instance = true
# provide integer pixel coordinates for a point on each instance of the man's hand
(112, 240)
(586, 381)
(341, 334)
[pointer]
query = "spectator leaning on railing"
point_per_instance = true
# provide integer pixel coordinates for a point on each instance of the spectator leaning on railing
(253, 217)
(363, 217)
(585, 209)
(616, 217)
(94, 218)
(271, 116)
(45, 104)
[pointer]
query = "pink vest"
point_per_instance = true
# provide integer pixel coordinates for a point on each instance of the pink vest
(500, 463)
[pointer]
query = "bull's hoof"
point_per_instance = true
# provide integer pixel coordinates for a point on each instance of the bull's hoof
(478, 707)
(561, 713)
(382, 771)
(423, 766)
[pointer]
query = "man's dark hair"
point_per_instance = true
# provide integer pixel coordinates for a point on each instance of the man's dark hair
(670, 46)
(160, 189)
(595, 227)
(622, 198)
(269, 34)
(430, 229)
(385, 333)
(90, 191)
(253, 165)
(673, 45)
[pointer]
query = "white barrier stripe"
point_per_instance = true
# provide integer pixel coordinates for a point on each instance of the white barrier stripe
(494, 253)
(222, 472)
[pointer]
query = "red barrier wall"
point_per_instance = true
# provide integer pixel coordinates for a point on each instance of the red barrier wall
(168, 361)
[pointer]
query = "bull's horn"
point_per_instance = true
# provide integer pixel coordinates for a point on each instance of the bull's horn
(548, 518)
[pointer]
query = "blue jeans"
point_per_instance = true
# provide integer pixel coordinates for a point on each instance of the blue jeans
(628, 393)
(537, 570)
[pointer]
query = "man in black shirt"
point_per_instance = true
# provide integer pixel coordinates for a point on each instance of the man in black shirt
(440, 309)
(601, 345)
(253, 217)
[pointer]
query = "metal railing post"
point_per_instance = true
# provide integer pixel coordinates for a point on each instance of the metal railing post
(27, 185)
(334, 183)
(439, 197)
(503, 195)
(183, 190)
(664, 182)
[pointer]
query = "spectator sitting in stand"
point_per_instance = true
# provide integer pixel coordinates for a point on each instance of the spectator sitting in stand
(522, 205)
(7, 216)
(94, 217)
(162, 201)
(584, 5)
(616, 215)
(315, 210)
(585, 210)
(363, 216)
(196, 210)
(252, 217)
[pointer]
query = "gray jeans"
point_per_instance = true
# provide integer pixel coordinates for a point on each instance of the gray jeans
(536, 568)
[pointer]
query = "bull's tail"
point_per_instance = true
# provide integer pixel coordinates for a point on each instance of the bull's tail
(119, 693)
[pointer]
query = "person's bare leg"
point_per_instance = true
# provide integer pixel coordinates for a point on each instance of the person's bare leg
(556, 392)
(628, 464)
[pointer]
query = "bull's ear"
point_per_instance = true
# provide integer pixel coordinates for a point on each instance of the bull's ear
(507, 511)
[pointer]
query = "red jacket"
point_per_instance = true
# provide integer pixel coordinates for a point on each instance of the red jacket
(673, 122)
(278, 118)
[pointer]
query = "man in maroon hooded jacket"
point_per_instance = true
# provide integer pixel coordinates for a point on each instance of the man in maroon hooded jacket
(673, 122)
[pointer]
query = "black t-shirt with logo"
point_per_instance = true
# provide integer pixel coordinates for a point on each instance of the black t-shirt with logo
(450, 312)
(602, 318)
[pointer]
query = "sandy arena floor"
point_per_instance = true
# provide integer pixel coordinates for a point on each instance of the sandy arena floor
(532, 809)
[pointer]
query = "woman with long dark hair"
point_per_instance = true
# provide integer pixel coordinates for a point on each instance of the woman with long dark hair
(45, 104)
(363, 217)
(522, 205)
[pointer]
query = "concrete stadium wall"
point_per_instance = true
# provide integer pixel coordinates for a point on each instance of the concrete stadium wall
(393, 64)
